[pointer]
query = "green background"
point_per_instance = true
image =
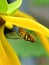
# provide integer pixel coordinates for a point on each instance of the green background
(25, 48)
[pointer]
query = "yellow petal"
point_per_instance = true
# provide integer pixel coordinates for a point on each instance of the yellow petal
(44, 41)
(9, 51)
(26, 23)
(20, 14)
(9, 26)
(23, 15)
(3, 58)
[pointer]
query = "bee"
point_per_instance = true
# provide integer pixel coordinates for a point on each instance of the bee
(22, 34)
(26, 36)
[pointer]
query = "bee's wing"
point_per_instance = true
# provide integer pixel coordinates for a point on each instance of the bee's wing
(13, 35)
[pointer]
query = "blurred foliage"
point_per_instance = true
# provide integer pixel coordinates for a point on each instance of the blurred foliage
(41, 2)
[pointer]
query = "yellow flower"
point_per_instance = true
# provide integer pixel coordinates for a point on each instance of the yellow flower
(7, 54)
(23, 20)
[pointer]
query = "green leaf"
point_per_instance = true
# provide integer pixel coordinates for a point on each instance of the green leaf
(14, 6)
(3, 6)
(25, 48)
